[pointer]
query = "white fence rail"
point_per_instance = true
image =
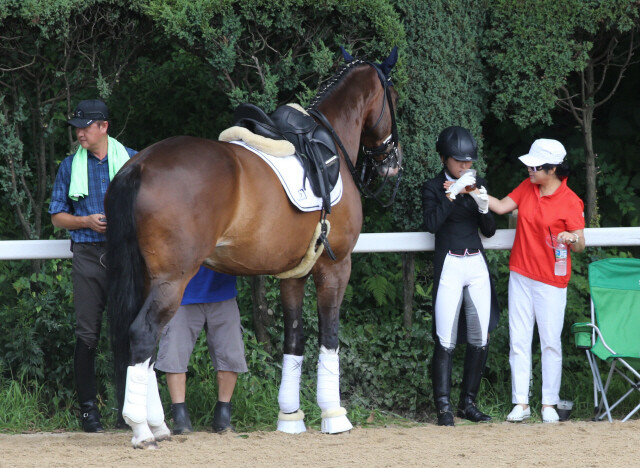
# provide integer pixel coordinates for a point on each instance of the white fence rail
(367, 243)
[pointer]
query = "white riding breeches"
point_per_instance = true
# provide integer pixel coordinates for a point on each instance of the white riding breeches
(532, 302)
(463, 276)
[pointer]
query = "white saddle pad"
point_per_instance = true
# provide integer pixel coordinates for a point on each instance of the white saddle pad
(291, 174)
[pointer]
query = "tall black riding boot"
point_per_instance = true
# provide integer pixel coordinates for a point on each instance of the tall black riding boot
(441, 378)
(222, 417)
(84, 366)
(181, 419)
(474, 362)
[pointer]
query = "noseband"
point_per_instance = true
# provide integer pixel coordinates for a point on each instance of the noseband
(385, 154)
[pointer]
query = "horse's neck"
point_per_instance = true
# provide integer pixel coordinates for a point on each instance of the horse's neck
(344, 110)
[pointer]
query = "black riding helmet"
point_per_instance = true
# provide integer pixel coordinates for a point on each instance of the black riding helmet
(458, 143)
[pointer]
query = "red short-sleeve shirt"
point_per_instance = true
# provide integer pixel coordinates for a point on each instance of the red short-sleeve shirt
(561, 211)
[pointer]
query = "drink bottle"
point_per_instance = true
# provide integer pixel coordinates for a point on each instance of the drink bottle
(560, 250)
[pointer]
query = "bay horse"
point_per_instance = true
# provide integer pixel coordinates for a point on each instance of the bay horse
(185, 202)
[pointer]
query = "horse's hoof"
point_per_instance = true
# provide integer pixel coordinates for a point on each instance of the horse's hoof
(142, 435)
(291, 423)
(163, 437)
(335, 421)
(160, 432)
(146, 445)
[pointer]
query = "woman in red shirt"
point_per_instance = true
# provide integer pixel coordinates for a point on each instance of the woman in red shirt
(546, 205)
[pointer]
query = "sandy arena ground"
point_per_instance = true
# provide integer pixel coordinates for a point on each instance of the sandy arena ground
(580, 444)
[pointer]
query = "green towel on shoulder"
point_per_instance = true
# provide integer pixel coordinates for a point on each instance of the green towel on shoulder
(117, 156)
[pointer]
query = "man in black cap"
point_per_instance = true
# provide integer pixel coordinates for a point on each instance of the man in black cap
(77, 205)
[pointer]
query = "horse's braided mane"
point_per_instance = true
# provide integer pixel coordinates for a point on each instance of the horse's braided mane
(330, 85)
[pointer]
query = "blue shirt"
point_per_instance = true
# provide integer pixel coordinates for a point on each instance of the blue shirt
(209, 286)
(98, 171)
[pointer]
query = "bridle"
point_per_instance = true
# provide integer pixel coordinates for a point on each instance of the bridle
(372, 156)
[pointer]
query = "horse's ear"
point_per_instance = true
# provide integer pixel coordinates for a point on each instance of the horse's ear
(346, 55)
(389, 62)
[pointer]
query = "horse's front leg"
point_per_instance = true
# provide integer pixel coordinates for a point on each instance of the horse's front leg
(291, 417)
(331, 281)
(142, 408)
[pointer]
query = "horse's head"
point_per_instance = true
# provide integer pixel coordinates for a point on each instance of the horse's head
(374, 114)
(380, 145)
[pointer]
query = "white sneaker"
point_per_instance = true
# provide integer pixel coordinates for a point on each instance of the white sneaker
(518, 414)
(550, 415)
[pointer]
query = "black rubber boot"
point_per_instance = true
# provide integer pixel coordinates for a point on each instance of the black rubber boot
(441, 378)
(474, 361)
(222, 417)
(84, 360)
(181, 419)
(90, 417)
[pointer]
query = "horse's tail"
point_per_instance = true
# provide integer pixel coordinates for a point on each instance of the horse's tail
(125, 269)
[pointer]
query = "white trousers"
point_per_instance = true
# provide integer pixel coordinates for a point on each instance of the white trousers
(532, 302)
(466, 275)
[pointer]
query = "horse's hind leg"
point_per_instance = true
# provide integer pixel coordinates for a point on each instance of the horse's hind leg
(135, 405)
(331, 281)
(142, 407)
(291, 417)
(155, 412)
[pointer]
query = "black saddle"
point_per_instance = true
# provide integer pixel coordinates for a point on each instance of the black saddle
(313, 143)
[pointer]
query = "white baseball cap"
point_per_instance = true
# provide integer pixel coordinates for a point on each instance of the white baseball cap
(544, 151)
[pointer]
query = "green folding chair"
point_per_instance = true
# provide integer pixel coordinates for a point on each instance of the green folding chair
(613, 335)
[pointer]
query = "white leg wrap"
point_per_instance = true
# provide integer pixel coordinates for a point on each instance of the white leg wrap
(134, 410)
(289, 394)
(291, 417)
(155, 412)
(328, 391)
(334, 417)
(135, 397)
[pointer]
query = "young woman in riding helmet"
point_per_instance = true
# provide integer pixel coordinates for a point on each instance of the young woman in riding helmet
(455, 207)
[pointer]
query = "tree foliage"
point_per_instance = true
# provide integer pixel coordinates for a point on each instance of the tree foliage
(445, 86)
(531, 50)
(268, 53)
(58, 52)
(53, 53)
(571, 54)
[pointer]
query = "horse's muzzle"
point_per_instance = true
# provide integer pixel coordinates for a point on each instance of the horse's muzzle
(388, 170)
(391, 164)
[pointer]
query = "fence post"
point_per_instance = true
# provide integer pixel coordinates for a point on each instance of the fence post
(408, 285)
